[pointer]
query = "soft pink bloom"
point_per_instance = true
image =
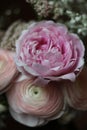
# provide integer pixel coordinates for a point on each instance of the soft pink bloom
(76, 93)
(28, 100)
(8, 69)
(46, 49)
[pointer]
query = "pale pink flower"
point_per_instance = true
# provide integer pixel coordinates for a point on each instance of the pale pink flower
(47, 50)
(76, 93)
(28, 100)
(8, 69)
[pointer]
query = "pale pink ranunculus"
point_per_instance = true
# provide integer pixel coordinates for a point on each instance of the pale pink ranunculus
(8, 69)
(76, 92)
(47, 50)
(28, 100)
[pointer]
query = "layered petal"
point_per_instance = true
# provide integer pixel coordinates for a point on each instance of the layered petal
(46, 49)
(27, 119)
(8, 69)
(76, 93)
(25, 97)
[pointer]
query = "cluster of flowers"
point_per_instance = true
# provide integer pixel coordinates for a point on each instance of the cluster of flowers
(44, 75)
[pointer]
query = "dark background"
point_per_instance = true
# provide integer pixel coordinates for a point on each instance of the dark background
(11, 10)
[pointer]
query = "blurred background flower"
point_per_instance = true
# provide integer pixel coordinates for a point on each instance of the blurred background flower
(76, 93)
(8, 69)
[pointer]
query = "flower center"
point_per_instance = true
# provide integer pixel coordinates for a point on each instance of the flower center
(35, 92)
(42, 45)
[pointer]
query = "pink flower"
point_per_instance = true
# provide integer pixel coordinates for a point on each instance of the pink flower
(8, 69)
(28, 100)
(76, 93)
(47, 50)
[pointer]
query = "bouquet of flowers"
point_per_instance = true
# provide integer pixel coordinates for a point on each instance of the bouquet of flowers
(42, 65)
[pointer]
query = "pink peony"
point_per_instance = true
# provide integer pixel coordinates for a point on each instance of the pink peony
(8, 69)
(76, 96)
(28, 100)
(47, 50)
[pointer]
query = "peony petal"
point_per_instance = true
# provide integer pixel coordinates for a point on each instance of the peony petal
(80, 65)
(70, 76)
(78, 44)
(30, 70)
